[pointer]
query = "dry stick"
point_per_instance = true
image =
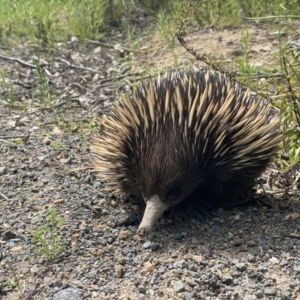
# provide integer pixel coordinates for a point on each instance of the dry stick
(96, 210)
(120, 77)
(267, 76)
(79, 86)
(21, 62)
(215, 66)
(60, 104)
(105, 45)
(74, 66)
(4, 197)
(13, 136)
(28, 87)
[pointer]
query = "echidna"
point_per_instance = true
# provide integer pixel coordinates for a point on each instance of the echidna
(190, 139)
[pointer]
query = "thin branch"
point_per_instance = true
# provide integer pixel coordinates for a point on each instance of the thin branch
(14, 136)
(22, 62)
(4, 197)
(106, 45)
(76, 67)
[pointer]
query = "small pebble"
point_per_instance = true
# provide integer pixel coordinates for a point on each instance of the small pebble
(114, 203)
(148, 267)
(177, 236)
(296, 268)
(68, 293)
(119, 271)
(270, 292)
(146, 245)
(251, 258)
(274, 260)
(178, 287)
(8, 235)
(124, 235)
(2, 170)
(227, 279)
(142, 289)
(259, 294)
(155, 246)
(241, 267)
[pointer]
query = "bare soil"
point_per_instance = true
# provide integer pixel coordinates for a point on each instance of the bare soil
(248, 252)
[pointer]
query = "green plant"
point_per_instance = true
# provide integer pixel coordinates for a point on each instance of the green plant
(16, 283)
(19, 141)
(57, 145)
(30, 271)
(290, 108)
(47, 239)
(46, 94)
(45, 22)
(244, 65)
(7, 94)
(91, 125)
(88, 20)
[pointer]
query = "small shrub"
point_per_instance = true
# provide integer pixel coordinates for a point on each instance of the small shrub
(47, 238)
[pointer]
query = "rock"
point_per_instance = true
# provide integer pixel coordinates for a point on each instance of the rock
(227, 279)
(2, 170)
(197, 258)
(270, 292)
(259, 294)
(68, 294)
(124, 235)
(296, 268)
(142, 289)
(274, 260)
(178, 287)
(148, 267)
(177, 236)
(155, 246)
(146, 245)
(241, 267)
(251, 258)
(193, 268)
(8, 235)
(119, 271)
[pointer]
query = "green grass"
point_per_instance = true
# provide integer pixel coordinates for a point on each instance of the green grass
(46, 22)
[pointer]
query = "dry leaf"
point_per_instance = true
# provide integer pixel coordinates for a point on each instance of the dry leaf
(59, 201)
(16, 248)
(148, 267)
(292, 217)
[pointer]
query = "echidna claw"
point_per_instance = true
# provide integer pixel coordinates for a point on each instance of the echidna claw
(143, 232)
(201, 213)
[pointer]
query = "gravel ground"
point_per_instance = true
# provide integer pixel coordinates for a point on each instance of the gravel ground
(247, 252)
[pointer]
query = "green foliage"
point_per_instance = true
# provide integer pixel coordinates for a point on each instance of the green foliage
(243, 63)
(7, 95)
(290, 108)
(47, 239)
(88, 19)
(48, 21)
(57, 145)
(16, 283)
(19, 141)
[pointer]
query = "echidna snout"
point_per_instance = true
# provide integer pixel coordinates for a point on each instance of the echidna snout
(154, 209)
(188, 141)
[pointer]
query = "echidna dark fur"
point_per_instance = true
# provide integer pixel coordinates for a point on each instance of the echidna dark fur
(189, 139)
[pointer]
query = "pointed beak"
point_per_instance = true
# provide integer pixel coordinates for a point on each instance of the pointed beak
(154, 209)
